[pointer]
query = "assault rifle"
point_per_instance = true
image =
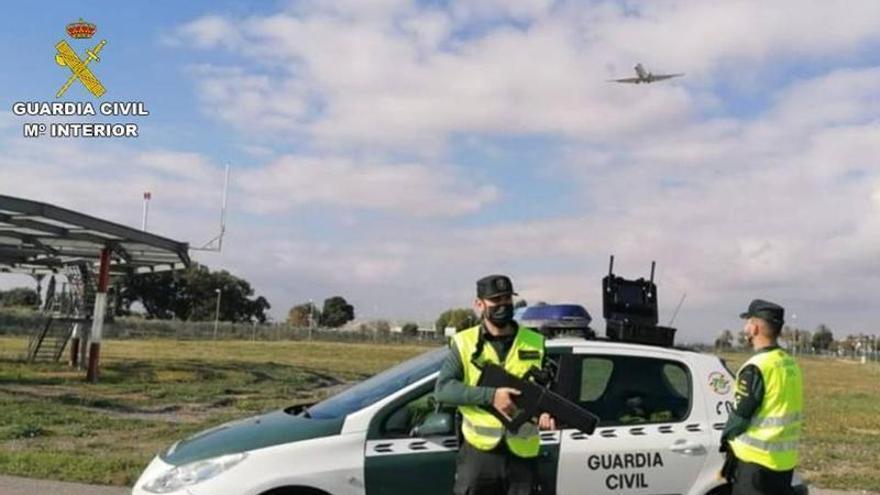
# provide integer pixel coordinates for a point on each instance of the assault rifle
(535, 399)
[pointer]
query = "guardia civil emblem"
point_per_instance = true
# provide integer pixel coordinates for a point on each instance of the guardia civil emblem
(66, 56)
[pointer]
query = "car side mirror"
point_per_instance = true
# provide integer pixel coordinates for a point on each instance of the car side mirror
(434, 425)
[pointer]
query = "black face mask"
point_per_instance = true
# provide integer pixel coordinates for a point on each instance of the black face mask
(500, 315)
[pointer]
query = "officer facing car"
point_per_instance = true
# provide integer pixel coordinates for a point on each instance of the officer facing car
(764, 428)
(492, 460)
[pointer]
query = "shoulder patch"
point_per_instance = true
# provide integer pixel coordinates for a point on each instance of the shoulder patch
(529, 354)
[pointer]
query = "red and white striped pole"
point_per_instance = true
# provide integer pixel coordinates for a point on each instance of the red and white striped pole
(98, 318)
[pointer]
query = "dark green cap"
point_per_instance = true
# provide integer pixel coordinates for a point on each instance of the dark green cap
(494, 286)
(766, 310)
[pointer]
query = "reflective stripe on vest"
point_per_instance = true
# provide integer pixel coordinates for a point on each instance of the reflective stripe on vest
(780, 421)
(768, 446)
(525, 431)
(491, 431)
(773, 435)
(480, 428)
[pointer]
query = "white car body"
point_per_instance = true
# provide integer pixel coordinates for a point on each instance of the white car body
(671, 457)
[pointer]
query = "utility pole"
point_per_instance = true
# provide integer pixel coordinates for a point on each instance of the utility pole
(217, 313)
(311, 318)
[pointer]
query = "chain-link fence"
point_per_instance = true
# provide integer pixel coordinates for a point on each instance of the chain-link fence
(865, 350)
(25, 323)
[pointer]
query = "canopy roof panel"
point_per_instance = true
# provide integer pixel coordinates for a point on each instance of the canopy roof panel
(37, 236)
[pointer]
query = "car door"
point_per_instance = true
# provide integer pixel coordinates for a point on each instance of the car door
(399, 460)
(652, 437)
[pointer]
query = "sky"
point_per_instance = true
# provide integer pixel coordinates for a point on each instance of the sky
(393, 151)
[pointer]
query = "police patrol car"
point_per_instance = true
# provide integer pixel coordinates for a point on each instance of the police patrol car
(662, 410)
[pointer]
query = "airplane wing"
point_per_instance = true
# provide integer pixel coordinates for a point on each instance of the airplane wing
(631, 80)
(77, 67)
(660, 77)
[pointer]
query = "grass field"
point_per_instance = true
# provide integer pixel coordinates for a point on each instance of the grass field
(152, 393)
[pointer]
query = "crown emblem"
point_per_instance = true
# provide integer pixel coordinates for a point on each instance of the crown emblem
(81, 29)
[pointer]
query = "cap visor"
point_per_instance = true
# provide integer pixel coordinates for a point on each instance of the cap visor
(745, 315)
(498, 294)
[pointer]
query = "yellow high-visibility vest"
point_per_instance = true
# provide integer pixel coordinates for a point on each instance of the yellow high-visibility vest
(480, 428)
(772, 438)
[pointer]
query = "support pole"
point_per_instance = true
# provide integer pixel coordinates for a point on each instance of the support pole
(147, 197)
(98, 318)
(83, 348)
(217, 313)
(74, 346)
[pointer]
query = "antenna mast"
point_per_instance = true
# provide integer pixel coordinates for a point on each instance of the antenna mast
(675, 313)
(216, 244)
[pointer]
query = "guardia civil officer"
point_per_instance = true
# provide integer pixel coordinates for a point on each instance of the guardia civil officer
(491, 459)
(764, 428)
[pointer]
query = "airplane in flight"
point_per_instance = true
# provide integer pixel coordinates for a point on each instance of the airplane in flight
(644, 76)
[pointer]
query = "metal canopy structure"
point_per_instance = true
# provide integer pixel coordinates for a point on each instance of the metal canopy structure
(38, 237)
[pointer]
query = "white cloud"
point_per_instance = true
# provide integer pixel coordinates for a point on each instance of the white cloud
(520, 10)
(251, 101)
(207, 31)
(373, 84)
(699, 36)
(408, 189)
(107, 180)
(395, 75)
(783, 204)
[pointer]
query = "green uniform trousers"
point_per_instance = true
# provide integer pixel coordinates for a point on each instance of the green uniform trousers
(494, 472)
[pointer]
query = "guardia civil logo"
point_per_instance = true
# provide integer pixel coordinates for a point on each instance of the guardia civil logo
(76, 60)
(66, 56)
(719, 383)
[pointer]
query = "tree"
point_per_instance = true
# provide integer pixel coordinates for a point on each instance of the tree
(724, 341)
(382, 327)
(822, 338)
(410, 329)
(19, 296)
(303, 315)
(336, 312)
(798, 339)
(460, 318)
(192, 295)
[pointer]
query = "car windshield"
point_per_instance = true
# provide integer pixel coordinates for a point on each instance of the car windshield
(379, 386)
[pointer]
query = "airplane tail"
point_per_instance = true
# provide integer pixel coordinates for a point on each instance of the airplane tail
(641, 72)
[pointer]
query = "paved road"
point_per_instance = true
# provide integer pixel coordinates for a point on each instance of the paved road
(823, 491)
(12, 485)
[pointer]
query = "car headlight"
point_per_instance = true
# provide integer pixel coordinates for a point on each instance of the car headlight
(192, 473)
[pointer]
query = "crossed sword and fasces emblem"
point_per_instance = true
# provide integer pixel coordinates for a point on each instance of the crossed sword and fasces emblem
(67, 56)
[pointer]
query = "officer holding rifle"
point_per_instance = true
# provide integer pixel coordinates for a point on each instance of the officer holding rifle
(493, 460)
